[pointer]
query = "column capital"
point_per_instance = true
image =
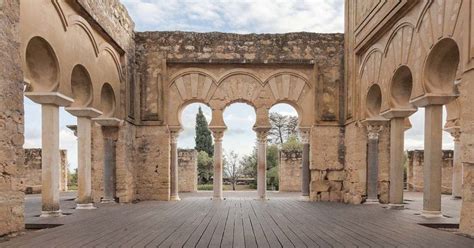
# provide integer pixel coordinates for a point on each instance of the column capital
(174, 133)
(262, 134)
(374, 127)
(218, 133)
(455, 133)
(85, 112)
(305, 134)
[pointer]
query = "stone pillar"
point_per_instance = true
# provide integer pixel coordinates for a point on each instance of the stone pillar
(433, 161)
(457, 179)
(50, 161)
(50, 102)
(262, 134)
(397, 130)
(218, 134)
(84, 144)
(305, 171)
(110, 129)
(373, 131)
(174, 196)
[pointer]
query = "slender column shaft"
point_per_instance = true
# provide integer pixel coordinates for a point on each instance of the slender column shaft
(305, 172)
(174, 196)
(109, 167)
(84, 143)
(433, 161)
(457, 166)
(396, 161)
(50, 160)
(262, 164)
(373, 131)
(217, 182)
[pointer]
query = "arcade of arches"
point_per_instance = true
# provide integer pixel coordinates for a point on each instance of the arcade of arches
(127, 90)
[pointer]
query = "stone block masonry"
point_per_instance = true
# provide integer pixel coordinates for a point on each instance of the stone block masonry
(187, 170)
(11, 119)
(290, 171)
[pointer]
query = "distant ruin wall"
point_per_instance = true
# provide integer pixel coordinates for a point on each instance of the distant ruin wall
(290, 171)
(187, 170)
(31, 179)
(415, 171)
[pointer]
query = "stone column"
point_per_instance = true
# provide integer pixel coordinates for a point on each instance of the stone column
(457, 179)
(84, 143)
(174, 196)
(218, 134)
(51, 161)
(397, 130)
(110, 129)
(262, 134)
(373, 131)
(305, 171)
(433, 161)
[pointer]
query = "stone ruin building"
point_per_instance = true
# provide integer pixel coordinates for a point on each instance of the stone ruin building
(353, 93)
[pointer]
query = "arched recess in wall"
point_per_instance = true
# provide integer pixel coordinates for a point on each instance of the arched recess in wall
(81, 86)
(401, 87)
(108, 101)
(42, 67)
(441, 67)
(373, 101)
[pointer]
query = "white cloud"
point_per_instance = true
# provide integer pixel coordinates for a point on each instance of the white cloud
(244, 16)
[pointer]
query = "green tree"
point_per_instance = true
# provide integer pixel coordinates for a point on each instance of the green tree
(272, 156)
(292, 144)
(203, 137)
(232, 167)
(204, 167)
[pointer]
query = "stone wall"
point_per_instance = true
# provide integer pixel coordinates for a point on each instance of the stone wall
(290, 171)
(11, 120)
(31, 175)
(187, 170)
(415, 165)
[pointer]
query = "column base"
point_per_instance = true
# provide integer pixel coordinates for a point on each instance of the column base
(371, 201)
(431, 214)
(107, 201)
(56, 213)
(304, 198)
(175, 198)
(396, 206)
(217, 198)
(86, 206)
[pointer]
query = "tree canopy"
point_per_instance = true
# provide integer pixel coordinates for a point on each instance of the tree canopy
(203, 135)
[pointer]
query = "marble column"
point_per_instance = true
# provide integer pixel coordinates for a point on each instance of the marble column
(433, 161)
(50, 161)
(305, 170)
(262, 163)
(84, 155)
(397, 131)
(174, 195)
(218, 134)
(110, 130)
(373, 131)
(457, 179)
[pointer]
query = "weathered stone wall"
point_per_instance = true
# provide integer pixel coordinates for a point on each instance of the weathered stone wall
(290, 171)
(11, 120)
(415, 171)
(31, 175)
(187, 170)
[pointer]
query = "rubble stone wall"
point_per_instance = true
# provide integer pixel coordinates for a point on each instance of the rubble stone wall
(290, 171)
(31, 176)
(187, 170)
(415, 165)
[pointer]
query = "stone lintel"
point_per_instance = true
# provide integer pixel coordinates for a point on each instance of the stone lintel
(84, 112)
(217, 128)
(375, 121)
(53, 98)
(398, 113)
(175, 129)
(433, 99)
(262, 128)
(108, 122)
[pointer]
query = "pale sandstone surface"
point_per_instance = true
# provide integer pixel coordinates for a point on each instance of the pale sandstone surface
(290, 171)
(415, 164)
(187, 170)
(31, 172)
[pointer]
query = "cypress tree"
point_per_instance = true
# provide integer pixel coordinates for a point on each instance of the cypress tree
(203, 135)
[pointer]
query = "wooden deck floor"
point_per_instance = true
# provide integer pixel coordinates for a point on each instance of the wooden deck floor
(239, 222)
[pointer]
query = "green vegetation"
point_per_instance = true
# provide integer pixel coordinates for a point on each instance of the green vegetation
(203, 135)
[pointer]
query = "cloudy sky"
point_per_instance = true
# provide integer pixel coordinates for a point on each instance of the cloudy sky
(237, 16)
